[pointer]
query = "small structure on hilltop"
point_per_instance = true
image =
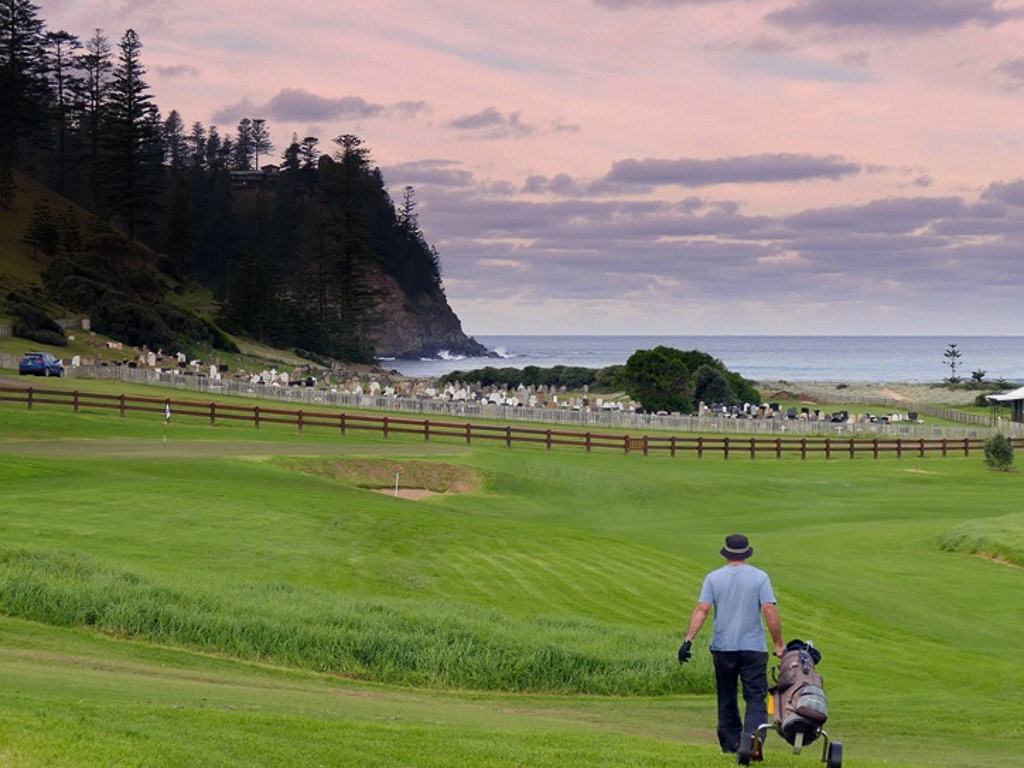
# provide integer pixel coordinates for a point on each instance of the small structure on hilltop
(1016, 401)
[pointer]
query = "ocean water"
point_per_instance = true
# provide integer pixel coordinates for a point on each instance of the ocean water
(918, 359)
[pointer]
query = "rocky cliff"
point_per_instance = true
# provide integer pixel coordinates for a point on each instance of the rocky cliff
(411, 328)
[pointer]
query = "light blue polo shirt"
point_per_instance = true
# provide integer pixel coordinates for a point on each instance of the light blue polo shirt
(737, 593)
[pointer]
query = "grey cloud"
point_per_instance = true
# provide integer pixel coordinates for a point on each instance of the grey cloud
(606, 227)
(409, 109)
(985, 226)
(1012, 70)
(489, 118)
(579, 247)
(893, 216)
(503, 188)
(560, 127)
(767, 168)
(860, 58)
(769, 45)
(561, 184)
(438, 173)
(564, 185)
(299, 105)
(894, 15)
(179, 70)
(488, 214)
(1010, 192)
(553, 238)
(619, 5)
(492, 123)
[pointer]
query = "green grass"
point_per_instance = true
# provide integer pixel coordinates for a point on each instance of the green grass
(999, 537)
(231, 586)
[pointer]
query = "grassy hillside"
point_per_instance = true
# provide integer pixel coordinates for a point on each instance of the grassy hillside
(252, 591)
(19, 265)
(21, 269)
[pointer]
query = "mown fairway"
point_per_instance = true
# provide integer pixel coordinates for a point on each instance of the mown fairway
(235, 597)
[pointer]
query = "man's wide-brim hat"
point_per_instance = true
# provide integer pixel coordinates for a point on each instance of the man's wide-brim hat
(737, 547)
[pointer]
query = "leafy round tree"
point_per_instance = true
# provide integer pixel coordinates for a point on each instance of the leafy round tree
(658, 379)
(711, 386)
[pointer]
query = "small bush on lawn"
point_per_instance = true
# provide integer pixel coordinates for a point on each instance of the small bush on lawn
(999, 452)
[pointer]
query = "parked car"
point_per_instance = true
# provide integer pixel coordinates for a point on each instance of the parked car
(40, 364)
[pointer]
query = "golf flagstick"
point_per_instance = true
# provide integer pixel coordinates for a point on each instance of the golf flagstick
(167, 420)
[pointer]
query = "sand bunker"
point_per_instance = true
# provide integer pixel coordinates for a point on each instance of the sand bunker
(405, 479)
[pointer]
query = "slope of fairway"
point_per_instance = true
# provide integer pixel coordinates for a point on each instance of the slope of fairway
(531, 619)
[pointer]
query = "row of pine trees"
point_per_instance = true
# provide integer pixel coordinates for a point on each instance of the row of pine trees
(295, 255)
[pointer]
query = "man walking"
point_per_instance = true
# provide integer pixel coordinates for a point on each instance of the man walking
(740, 594)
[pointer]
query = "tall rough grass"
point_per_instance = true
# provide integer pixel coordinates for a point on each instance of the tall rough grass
(1000, 537)
(438, 644)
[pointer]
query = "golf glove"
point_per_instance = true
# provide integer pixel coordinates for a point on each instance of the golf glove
(684, 652)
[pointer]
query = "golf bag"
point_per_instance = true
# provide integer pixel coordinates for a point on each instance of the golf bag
(800, 707)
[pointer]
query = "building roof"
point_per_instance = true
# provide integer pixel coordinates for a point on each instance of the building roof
(1017, 394)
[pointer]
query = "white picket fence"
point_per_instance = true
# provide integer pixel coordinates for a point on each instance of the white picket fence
(974, 426)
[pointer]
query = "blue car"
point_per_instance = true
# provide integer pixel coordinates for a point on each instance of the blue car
(40, 364)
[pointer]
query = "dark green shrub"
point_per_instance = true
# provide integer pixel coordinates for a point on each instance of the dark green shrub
(33, 322)
(999, 452)
(53, 338)
(135, 324)
(982, 401)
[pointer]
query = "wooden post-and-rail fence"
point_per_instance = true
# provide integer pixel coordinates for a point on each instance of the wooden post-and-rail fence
(697, 445)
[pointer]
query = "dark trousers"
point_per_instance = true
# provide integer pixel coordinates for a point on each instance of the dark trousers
(732, 668)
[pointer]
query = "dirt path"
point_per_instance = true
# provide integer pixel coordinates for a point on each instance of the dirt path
(894, 395)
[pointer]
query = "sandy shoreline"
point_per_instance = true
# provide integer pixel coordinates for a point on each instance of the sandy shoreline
(840, 392)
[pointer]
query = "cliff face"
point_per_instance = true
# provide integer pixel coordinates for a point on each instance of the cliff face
(419, 327)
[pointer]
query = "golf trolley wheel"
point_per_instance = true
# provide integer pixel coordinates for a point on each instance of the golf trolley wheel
(835, 755)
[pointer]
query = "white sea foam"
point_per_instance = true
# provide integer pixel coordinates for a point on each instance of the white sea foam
(444, 354)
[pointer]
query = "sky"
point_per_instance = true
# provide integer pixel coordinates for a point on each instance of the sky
(666, 167)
